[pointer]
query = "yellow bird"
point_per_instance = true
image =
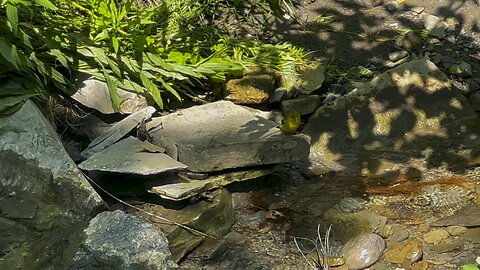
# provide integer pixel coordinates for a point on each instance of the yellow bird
(290, 122)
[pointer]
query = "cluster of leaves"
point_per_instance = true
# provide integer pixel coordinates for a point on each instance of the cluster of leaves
(162, 50)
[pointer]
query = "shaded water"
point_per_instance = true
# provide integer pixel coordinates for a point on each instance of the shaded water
(270, 213)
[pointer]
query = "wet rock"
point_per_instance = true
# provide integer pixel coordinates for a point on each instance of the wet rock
(363, 251)
(391, 64)
(222, 135)
(94, 94)
(116, 240)
(436, 59)
(475, 101)
(254, 88)
(181, 188)
(411, 41)
(117, 131)
(399, 233)
(351, 205)
(211, 249)
(421, 265)
(388, 114)
(472, 235)
(235, 238)
(435, 25)
(132, 156)
(467, 217)
(43, 195)
(456, 230)
(473, 84)
(436, 236)
(253, 221)
(462, 69)
(303, 105)
(450, 245)
(408, 251)
(349, 225)
(398, 55)
(214, 218)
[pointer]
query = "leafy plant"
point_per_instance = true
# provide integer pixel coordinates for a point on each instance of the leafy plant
(318, 257)
(163, 49)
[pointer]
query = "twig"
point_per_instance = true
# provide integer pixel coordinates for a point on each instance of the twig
(192, 230)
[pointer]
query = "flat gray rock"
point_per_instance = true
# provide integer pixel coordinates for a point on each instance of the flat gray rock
(133, 156)
(117, 131)
(180, 188)
(115, 240)
(94, 94)
(467, 217)
(222, 135)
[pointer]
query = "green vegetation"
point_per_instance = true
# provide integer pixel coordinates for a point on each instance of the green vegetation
(163, 49)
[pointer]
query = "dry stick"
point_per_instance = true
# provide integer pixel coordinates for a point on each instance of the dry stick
(192, 230)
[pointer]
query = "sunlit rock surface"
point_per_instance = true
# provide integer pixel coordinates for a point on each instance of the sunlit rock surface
(44, 199)
(404, 122)
(133, 156)
(222, 135)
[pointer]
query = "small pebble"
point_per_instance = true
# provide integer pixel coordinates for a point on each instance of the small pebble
(363, 251)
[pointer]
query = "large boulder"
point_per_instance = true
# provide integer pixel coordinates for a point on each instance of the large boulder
(44, 198)
(115, 240)
(405, 121)
(222, 135)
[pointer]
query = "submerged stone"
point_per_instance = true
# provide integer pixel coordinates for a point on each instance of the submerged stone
(133, 156)
(214, 218)
(404, 121)
(467, 217)
(363, 251)
(222, 135)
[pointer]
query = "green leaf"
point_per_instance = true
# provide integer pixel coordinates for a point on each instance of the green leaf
(470, 267)
(113, 66)
(169, 88)
(60, 57)
(112, 90)
(12, 17)
(152, 89)
(47, 4)
(9, 52)
(7, 103)
(115, 44)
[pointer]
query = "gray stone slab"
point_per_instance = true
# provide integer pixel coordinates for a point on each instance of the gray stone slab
(222, 135)
(180, 187)
(117, 131)
(133, 156)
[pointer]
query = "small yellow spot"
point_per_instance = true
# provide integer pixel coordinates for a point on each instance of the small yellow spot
(290, 122)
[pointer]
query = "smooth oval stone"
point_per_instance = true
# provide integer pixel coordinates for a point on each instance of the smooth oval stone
(410, 250)
(363, 251)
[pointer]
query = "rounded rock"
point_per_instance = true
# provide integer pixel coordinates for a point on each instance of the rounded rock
(410, 250)
(363, 251)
